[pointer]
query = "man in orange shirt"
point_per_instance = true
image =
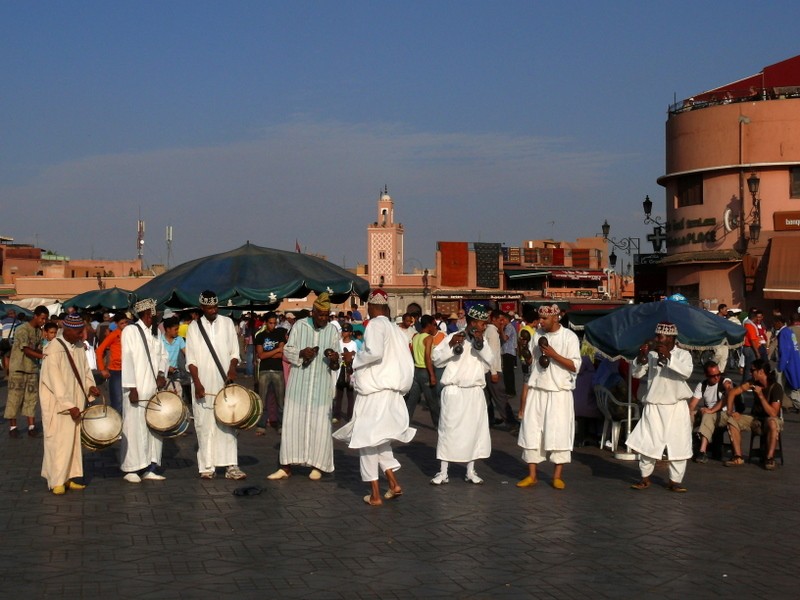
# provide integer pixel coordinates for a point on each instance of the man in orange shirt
(112, 370)
(752, 340)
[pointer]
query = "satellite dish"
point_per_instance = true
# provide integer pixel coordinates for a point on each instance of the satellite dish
(729, 220)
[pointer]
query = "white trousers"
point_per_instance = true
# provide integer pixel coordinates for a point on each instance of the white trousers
(537, 455)
(216, 444)
(375, 460)
(677, 468)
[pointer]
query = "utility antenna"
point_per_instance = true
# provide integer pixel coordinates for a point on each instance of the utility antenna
(139, 237)
(169, 245)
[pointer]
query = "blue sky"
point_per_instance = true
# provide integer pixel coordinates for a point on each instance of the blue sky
(270, 122)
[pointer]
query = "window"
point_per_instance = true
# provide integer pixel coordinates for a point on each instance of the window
(794, 182)
(689, 191)
(382, 255)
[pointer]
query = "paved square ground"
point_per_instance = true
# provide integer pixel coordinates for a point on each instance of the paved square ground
(731, 535)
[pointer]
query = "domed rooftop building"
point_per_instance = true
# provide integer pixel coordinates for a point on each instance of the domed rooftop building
(732, 187)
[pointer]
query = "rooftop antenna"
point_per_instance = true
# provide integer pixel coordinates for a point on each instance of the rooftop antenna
(169, 245)
(139, 238)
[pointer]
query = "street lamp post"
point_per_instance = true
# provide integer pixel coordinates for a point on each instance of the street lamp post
(625, 244)
(753, 183)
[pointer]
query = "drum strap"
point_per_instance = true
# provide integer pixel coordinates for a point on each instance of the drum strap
(147, 350)
(74, 368)
(211, 349)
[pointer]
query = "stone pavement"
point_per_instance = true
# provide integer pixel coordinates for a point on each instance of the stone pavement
(731, 535)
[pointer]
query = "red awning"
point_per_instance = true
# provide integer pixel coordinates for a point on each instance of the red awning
(578, 275)
(783, 279)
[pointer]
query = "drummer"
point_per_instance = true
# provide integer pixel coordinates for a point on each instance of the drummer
(217, 443)
(62, 398)
(144, 362)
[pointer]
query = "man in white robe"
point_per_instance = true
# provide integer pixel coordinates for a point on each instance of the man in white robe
(311, 350)
(548, 412)
(144, 362)
(217, 443)
(464, 421)
(62, 399)
(665, 421)
(383, 372)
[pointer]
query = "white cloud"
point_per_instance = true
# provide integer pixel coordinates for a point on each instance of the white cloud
(316, 182)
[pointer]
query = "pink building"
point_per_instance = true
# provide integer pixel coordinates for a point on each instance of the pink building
(732, 188)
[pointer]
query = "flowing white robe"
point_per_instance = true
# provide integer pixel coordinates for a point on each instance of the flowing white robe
(306, 435)
(548, 422)
(383, 372)
(139, 446)
(216, 442)
(464, 421)
(59, 391)
(665, 421)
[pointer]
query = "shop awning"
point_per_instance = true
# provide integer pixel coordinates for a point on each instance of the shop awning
(580, 275)
(783, 277)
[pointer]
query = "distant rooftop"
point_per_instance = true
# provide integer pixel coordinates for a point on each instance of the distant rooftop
(775, 82)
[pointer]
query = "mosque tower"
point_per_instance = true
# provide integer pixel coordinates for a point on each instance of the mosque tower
(385, 244)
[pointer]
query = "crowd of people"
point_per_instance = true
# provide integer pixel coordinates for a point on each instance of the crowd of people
(317, 370)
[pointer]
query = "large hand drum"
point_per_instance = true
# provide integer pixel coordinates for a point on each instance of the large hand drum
(236, 406)
(101, 426)
(167, 415)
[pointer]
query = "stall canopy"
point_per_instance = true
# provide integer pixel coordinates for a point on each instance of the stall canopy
(253, 276)
(111, 298)
(623, 331)
(783, 281)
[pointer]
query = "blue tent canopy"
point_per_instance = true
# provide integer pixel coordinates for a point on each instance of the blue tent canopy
(623, 331)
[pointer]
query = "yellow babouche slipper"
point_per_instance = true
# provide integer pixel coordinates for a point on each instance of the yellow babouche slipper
(60, 490)
(74, 485)
(559, 484)
(527, 482)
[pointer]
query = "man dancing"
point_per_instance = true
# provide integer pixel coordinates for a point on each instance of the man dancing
(382, 372)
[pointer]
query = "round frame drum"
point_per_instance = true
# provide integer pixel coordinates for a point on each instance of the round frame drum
(236, 406)
(101, 426)
(167, 415)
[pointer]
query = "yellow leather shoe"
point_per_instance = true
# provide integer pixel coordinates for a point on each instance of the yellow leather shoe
(559, 484)
(60, 490)
(279, 474)
(527, 482)
(74, 485)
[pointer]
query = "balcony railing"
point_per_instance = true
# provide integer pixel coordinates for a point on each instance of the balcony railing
(731, 96)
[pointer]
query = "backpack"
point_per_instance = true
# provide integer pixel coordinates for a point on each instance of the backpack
(8, 337)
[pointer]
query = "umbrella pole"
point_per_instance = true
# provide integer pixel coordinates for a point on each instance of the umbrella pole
(620, 454)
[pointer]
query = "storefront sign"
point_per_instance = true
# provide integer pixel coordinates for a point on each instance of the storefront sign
(786, 221)
(677, 226)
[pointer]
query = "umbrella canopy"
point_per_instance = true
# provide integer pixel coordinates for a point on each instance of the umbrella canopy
(623, 331)
(253, 275)
(112, 298)
(6, 306)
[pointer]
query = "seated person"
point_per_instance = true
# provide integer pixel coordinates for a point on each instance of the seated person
(766, 415)
(713, 392)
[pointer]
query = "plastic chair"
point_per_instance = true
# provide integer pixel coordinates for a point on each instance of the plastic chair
(605, 399)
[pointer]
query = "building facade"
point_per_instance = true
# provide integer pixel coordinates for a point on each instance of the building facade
(732, 187)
